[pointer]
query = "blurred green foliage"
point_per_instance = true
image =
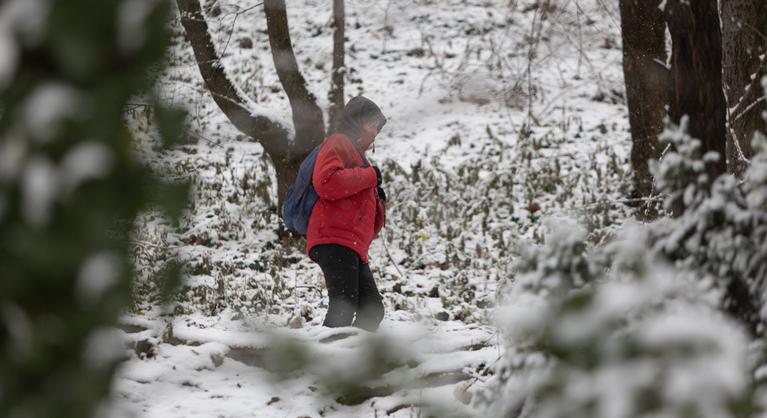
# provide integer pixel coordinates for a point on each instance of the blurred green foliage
(70, 187)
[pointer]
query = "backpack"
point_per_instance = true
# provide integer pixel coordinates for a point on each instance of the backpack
(301, 196)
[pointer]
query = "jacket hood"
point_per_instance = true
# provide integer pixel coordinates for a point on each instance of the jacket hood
(356, 112)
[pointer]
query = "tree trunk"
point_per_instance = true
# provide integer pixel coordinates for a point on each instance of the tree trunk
(744, 27)
(286, 170)
(698, 93)
(696, 71)
(286, 154)
(647, 83)
(744, 44)
(336, 94)
(307, 115)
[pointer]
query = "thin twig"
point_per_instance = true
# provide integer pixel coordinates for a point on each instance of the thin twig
(231, 30)
(151, 244)
(751, 106)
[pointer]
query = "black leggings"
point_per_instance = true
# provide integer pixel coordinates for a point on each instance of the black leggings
(351, 288)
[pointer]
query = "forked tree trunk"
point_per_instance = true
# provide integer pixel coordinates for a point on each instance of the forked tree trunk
(336, 94)
(226, 95)
(307, 115)
(647, 83)
(285, 153)
(744, 45)
(696, 69)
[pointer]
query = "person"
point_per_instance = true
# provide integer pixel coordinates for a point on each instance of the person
(348, 215)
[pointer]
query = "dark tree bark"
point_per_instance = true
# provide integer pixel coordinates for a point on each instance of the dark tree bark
(286, 175)
(647, 83)
(696, 71)
(699, 94)
(336, 94)
(744, 44)
(307, 115)
(286, 153)
(744, 41)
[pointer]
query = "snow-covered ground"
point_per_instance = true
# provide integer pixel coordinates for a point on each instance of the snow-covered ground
(226, 368)
(530, 98)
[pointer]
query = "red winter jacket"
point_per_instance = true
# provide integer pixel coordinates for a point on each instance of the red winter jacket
(348, 211)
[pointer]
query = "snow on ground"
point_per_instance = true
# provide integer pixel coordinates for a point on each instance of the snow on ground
(224, 368)
(461, 82)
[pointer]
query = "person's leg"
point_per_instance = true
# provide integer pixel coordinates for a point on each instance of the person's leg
(370, 309)
(340, 265)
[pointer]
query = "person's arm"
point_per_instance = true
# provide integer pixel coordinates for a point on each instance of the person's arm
(333, 182)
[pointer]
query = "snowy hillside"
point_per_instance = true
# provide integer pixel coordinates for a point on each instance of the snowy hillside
(501, 114)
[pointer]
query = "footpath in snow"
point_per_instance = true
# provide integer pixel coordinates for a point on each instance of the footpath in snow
(230, 369)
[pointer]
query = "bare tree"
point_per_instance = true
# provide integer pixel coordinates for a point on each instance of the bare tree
(696, 71)
(285, 152)
(647, 83)
(744, 45)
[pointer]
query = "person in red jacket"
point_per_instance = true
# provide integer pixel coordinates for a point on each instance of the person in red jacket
(348, 215)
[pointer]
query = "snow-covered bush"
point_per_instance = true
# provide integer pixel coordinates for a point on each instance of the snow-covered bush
(70, 187)
(641, 330)
(615, 334)
(471, 218)
(229, 203)
(723, 230)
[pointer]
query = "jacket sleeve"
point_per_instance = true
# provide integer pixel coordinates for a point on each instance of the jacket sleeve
(333, 182)
(380, 216)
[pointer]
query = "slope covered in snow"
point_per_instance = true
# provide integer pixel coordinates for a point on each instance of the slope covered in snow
(500, 114)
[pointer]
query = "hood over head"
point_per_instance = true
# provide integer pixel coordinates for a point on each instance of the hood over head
(357, 112)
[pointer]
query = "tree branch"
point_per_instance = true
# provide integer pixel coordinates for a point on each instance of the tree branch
(271, 134)
(307, 115)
